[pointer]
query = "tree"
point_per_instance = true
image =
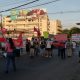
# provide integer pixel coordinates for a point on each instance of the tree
(65, 31)
(74, 30)
(0, 25)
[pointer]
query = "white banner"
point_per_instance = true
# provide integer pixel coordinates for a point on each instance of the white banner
(75, 37)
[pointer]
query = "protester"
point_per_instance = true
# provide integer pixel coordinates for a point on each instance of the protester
(73, 47)
(78, 46)
(9, 47)
(42, 48)
(27, 47)
(32, 48)
(48, 48)
(68, 46)
(37, 46)
(62, 50)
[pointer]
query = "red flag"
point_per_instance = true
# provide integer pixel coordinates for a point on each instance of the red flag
(3, 30)
(20, 39)
(38, 32)
(18, 42)
(2, 39)
(35, 29)
(20, 36)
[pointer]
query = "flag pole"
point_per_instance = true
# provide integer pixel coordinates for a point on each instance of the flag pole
(1, 25)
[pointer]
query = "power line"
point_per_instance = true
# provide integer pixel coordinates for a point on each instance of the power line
(17, 2)
(63, 12)
(42, 4)
(32, 6)
(19, 6)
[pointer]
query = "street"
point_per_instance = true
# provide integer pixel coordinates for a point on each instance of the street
(40, 68)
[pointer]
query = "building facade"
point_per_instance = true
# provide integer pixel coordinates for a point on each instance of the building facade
(55, 27)
(26, 23)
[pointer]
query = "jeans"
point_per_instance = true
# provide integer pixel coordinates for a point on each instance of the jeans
(10, 58)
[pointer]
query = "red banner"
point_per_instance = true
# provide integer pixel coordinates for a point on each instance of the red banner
(61, 37)
(18, 42)
(2, 39)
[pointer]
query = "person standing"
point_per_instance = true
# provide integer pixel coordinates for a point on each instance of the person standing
(27, 47)
(42, 48)
(9, 47)
(73, 47)
(68, 46)
(62, 50)
(32, 49)
(48, 48)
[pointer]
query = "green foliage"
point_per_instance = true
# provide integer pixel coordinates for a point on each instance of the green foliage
(65, 31)
(74, 30)
(0, 25)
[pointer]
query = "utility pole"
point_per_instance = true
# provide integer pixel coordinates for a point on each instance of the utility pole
(1, 20)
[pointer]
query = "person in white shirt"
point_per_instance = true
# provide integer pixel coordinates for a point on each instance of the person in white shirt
(48, 48)
(3, 46)
(73, 47)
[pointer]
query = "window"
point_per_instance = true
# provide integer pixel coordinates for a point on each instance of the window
(29, 20)
(9, 21)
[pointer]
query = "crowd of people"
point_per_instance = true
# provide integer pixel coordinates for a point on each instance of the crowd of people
(45, 47)
(37, 47)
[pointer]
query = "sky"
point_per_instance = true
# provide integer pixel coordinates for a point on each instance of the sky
(67, 19)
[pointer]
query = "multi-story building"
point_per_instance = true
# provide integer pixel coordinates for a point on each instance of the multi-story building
(55, 27)
(26, 23)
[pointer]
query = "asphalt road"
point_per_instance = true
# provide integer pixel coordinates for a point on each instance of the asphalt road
(40, 68)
